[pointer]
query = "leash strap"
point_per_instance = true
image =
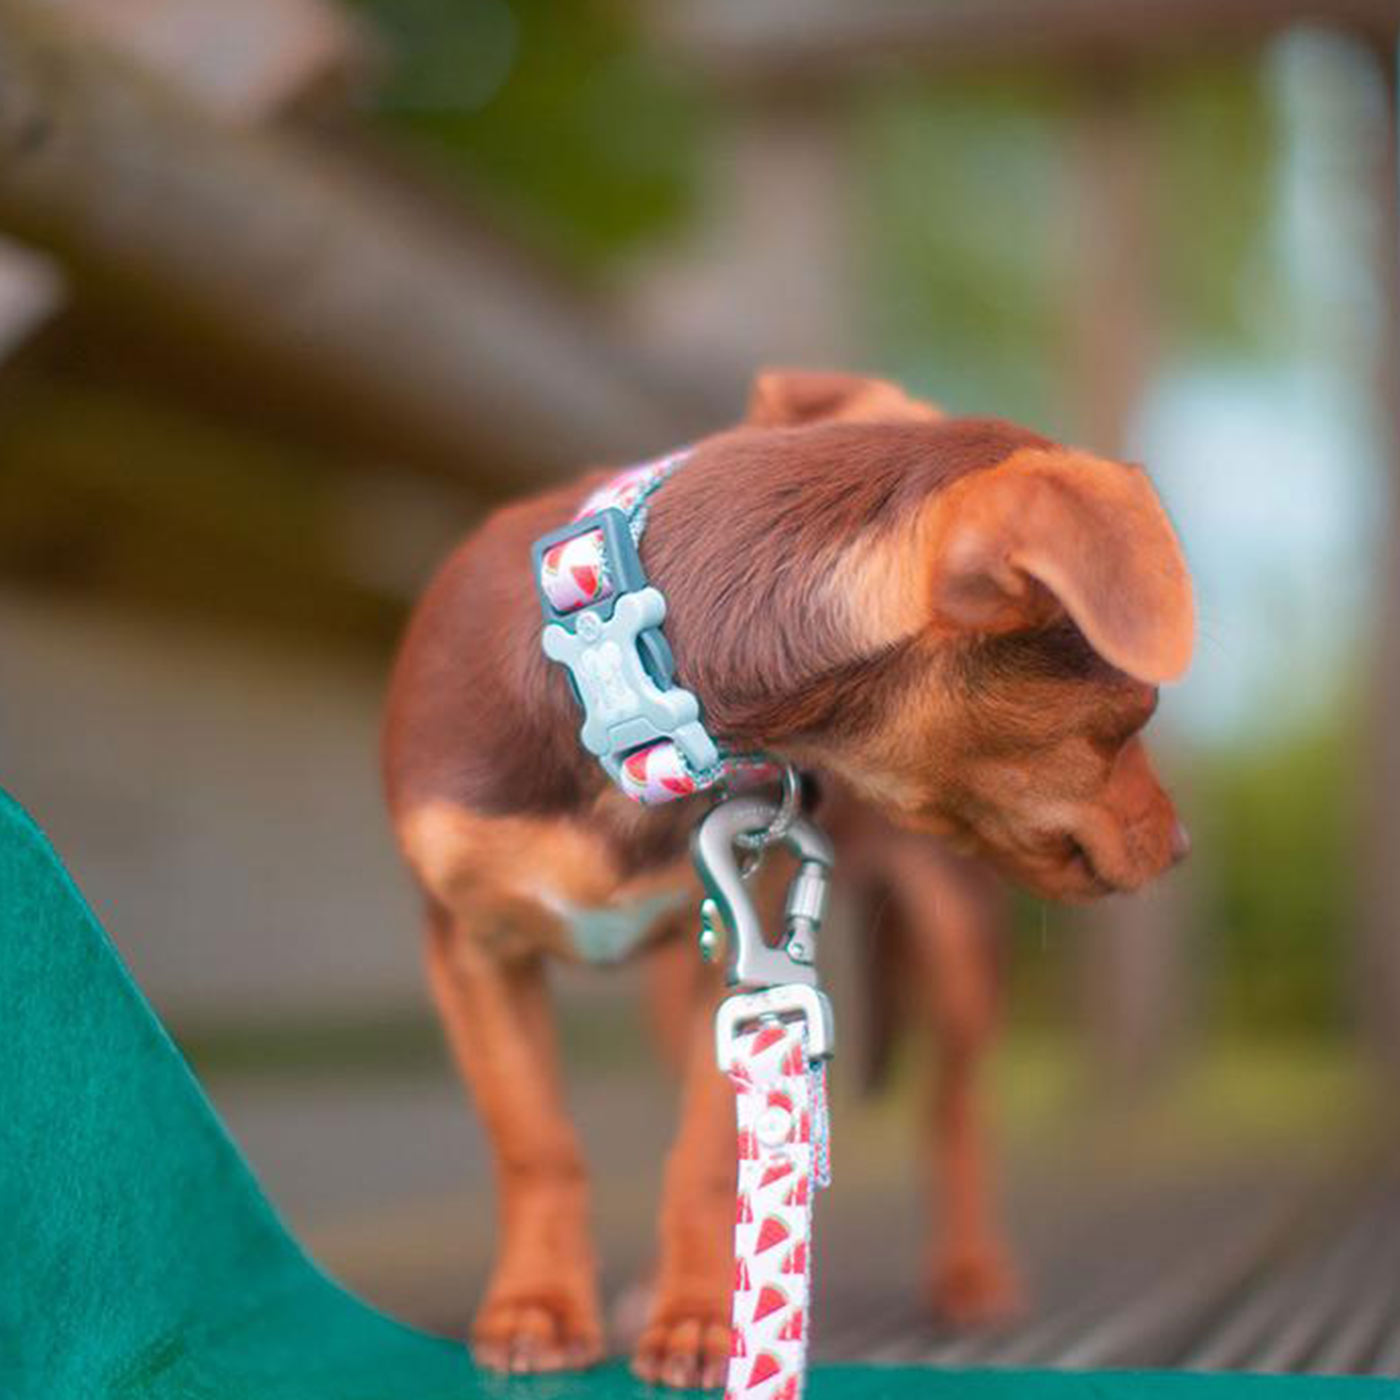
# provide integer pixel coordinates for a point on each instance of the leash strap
(603, 622)
(773, 1036)
(780, 1093)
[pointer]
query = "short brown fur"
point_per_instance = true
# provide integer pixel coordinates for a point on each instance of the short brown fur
(958, 622)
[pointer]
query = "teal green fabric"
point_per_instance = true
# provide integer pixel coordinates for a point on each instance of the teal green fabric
(140, 1261)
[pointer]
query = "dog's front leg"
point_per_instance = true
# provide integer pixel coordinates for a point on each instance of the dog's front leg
(541, 1309)
(686, 1340)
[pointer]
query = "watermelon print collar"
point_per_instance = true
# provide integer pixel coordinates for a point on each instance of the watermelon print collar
(603, 622)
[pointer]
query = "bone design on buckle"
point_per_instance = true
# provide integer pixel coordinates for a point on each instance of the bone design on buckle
(603, 623)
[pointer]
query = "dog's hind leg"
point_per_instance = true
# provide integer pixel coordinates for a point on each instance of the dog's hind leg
(686, 1340)
(951, 912)
(541, 1309)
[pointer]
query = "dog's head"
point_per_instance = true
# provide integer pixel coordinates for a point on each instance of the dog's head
(1017, 619)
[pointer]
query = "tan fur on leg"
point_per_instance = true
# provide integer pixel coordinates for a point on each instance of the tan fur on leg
(686, 1339)
(541, 1309)
(951, 909)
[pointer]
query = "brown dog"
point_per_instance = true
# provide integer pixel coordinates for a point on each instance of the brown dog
(957, 622)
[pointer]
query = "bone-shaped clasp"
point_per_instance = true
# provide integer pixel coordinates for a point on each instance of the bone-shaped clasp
(623, 706)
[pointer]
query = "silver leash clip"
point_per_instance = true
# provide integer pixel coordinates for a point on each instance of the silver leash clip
(777, 977)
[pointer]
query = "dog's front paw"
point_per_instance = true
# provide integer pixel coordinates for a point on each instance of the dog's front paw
(977, 1288)
(685, 1344)
(542, 1329)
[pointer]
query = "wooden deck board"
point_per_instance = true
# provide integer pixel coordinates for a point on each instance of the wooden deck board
(1245, 1276)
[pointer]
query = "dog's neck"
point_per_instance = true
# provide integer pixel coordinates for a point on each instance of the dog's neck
(748, 540)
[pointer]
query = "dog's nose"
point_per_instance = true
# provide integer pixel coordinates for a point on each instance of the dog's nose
(1181, 843)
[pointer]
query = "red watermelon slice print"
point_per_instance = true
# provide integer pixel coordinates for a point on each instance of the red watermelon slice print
(770, 1300)
(771, 1233)
(765, 1367)
(796, 1262)
(767, 1038)
(774, 1173)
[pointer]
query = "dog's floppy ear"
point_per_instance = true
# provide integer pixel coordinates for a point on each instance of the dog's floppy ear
(1051, 529)
(786, 398)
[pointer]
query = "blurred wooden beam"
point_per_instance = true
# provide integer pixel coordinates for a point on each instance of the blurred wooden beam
(1113, 316)
(1132, 966)
(1379, 961)
(767, 272)
(818, 41)
(314, 276)
(243, 62)
(32, 290)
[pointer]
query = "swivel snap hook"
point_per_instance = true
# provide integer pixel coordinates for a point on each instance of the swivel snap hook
(729, 911)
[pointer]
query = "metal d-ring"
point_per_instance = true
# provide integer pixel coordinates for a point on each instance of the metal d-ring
(757, 842)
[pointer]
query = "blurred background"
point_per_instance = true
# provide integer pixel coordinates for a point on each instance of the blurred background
(293, 291)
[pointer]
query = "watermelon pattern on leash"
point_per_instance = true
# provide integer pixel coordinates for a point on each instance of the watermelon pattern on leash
(783, 1161)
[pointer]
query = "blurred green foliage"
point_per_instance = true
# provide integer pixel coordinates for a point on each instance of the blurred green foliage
(959, 209)
(1280, 825)
(964, 204)
(1272, 896)
(1216, 148)
(556, 115)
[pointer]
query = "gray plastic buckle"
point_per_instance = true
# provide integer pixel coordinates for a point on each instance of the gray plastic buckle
(618, 659)
(623, 560)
